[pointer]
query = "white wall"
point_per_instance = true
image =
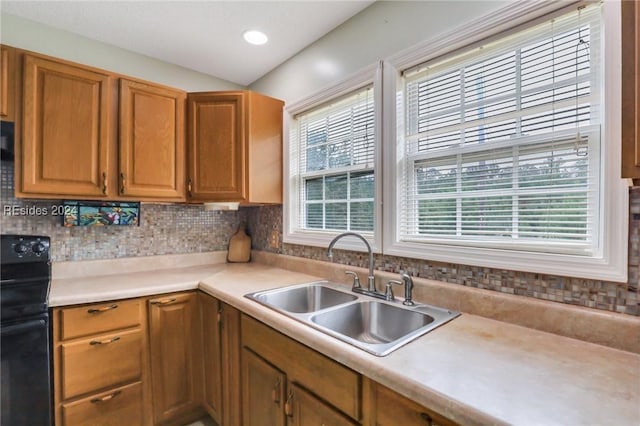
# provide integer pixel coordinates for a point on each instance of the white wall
(36, 37)
(379, 31)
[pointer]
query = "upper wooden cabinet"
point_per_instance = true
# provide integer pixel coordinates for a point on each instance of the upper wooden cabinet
(234, 147)
(71, 146)
(631, 90)
(65, 139)
(151, 141)
(7, 83)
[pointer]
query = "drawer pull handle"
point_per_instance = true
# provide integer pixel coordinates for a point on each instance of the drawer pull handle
(162, 302)
(103, 309)
(123, 183)
(190, 187)
(275, 392)
(427, 418)
(104, 342)
(288, 406)
(106, 397)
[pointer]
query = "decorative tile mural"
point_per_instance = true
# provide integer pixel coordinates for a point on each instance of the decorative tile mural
(164, 228)
(609, 296)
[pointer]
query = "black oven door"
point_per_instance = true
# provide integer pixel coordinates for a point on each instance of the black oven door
(24, 372)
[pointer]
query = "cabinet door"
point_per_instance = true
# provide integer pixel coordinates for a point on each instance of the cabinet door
(151, 141)
(631, 90)
(262, 392)
(303, 408)
(212, 353)
(7, 83)
(391, 408)
(65, 129)
(173, 364)
(217, 148)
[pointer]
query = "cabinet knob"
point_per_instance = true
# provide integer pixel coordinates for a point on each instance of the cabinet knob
(427, 419)
(189, 187)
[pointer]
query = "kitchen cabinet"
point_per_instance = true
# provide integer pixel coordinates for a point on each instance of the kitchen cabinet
(263, 387)
(7, 83)
(221, 360)
(100, 364)
(66, 131)
(269, 356)
(389, 408)
(631, 90)
(234, 147)
(151, 145)
(71, 146)
(174, 332)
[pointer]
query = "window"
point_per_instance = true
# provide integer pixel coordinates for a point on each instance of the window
(503, 158)
(500, 144)
(332, 157)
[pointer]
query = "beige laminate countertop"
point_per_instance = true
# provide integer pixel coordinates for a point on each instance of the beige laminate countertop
(473, 370)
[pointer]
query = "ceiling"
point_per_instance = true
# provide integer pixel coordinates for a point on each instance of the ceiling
(205, 36)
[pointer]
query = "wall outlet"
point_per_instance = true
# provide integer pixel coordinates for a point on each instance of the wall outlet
(274, 239)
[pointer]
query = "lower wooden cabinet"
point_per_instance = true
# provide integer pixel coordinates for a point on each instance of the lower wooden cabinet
(100, 364)
(174, 329)
(164, 360)
(389, 408)
(117, 407)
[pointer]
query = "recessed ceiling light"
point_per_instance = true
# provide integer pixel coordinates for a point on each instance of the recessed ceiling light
(255, 37)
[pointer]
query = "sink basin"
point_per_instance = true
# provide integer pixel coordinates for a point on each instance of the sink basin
(372, 322)
(302, 299)
(378, 327)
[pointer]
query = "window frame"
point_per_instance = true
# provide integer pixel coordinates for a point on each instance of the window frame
(610, 261)
(369, 76)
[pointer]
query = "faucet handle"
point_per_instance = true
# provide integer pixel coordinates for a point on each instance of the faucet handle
(356, 280)
(388, 291)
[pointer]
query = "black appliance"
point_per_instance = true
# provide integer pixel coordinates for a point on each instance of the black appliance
(25, 370)
(6, 140)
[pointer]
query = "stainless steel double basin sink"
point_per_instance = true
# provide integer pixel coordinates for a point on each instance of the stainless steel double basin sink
(376, 326)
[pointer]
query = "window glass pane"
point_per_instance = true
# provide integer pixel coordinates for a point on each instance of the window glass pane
(487, 216)
(362, 185)
(336, 187)
(317, 158)
(314, 188)
(437, 216)
(314, 216)
(339, 154)
(560, 216)
(361, 214)
(336, 216)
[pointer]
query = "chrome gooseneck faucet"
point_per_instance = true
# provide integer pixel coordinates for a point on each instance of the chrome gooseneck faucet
(371, 281)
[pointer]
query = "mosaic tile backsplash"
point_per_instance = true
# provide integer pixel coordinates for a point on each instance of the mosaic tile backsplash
(609, 296)
(164, 228)
(177, 229)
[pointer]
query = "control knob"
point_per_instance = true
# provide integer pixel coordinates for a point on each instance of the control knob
(21, 248)
(38, 248)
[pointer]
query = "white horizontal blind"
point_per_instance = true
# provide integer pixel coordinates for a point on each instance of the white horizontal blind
(502, 142)
(335, 165)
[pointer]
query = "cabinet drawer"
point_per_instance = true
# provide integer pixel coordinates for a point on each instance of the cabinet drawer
(120, 406)
(391, 408)
(337, 385)
(100, 362)
(99, 318)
